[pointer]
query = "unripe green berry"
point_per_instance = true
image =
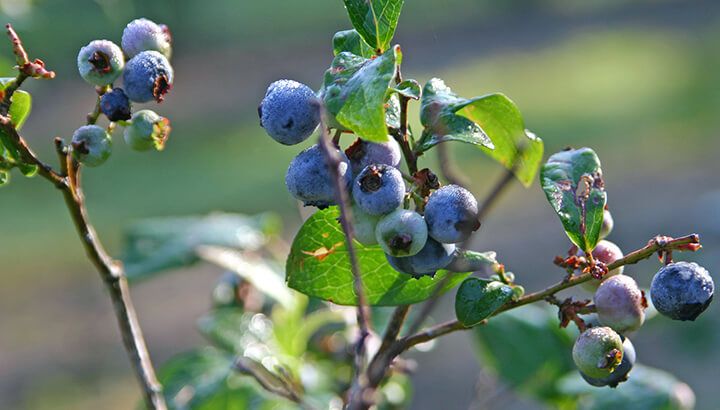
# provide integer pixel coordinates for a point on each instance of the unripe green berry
(147, 130)
(100, 62)
(401, 233)
(364, 226)
(91, 145)
(598, 351)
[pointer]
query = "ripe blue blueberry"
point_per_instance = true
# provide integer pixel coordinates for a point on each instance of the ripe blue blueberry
(143, 35)
(364, 226)
(100, 62)
(597, 352)
(379, 189)
(147, 130)
(308, 177)
(451, 214)
(148, 76)
(363, 153)
(682, 290)
(115, 105)
(401, 233)
(431, 258)
(289, 112)
(621, 372)
(620, 304)
(91, 145)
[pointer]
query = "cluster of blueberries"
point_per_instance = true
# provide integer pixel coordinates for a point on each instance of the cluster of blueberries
(416, 244)
(147, 76)
(679, 290)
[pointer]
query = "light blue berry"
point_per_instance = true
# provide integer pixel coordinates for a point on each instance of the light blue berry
(148, 76)
(289, 112)
(100, 62)
(147, 130)
(91, 145)
(308, 177)
(379, 189)
(401, 233)
(451, 214)
(431, 258)
(144, 35)
(682, 290)
(363, 153)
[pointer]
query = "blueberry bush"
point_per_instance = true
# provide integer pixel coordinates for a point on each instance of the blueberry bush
(326, 321)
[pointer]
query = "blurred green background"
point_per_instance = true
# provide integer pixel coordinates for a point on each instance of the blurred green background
(637, 80)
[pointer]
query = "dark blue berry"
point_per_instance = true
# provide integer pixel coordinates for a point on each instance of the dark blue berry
(115, 105)
(682, 290)
(451, 214)
(148, 76)
(308, 177)
(379, 189)
(431, 258)
(289, 112)
(363, 153)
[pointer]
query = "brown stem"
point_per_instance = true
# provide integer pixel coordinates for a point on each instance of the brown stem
(495, 193)
(28, 156)
(363, 312)
(113, 276)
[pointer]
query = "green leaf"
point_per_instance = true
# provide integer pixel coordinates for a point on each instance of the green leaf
(159, 244)
(318, 266)
(20, 106)
(354, 92)
(573, 183)
(350, 41)
(408, 88)
(437, 114)
(647, 388)
(527, 350)
(477, 299)
(375, 20)
(515, 148)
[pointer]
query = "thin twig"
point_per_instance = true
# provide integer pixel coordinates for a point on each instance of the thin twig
(495, 193)
(684, 243)
(267, 380)
(28, 156)
(363, 312)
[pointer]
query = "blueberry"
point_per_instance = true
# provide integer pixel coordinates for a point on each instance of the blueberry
(148, 76)
(100, 62)
(143, 35)
(606, 252)
(289, 112)
(451, 214)
(115, 105)
(431, 258)
(379, 189)
(620, 304)
(597, 352)
(682, 290)
(621, 372)
(147, 130)
(401, 233)
(308, 178)
(363, 153)
(607, 225)
(364, 225)
(91, 145)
